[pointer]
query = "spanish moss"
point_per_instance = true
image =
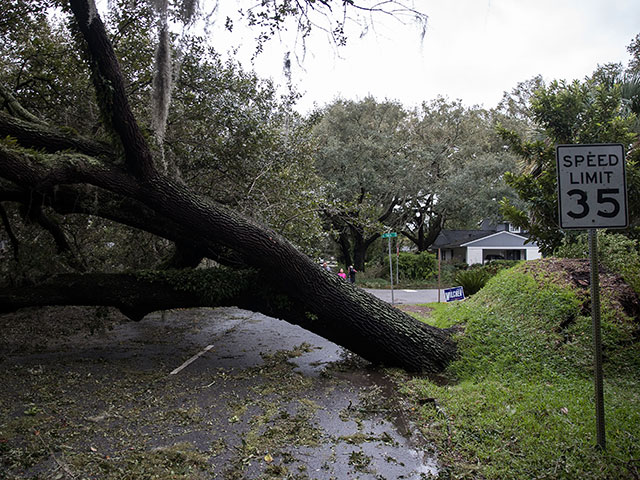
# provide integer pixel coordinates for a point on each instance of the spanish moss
(188, 10)
(162, 83)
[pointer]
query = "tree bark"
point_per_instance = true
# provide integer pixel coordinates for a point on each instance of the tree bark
(137, 294)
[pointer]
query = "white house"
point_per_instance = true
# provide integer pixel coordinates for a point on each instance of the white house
(490, 242)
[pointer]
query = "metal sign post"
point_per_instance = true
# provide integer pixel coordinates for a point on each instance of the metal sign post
(592, 193)
(439, 266)
(388, 235)
(597, 340)
(391, 270)
(397, 263)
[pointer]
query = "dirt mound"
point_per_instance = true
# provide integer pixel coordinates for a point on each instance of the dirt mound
(577, 272)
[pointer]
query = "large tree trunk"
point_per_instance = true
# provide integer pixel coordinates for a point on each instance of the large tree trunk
(288, 283)
(137, 294)
(426, 233)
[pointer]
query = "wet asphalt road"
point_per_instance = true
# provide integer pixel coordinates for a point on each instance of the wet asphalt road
(407, 296)
(267, 394)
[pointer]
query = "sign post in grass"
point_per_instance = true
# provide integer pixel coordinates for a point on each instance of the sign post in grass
(592, 194)
(388, 236)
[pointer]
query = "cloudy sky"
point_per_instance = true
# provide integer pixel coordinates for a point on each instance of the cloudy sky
(474, 50)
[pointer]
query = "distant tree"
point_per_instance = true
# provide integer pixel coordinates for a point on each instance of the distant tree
(362, 157)
(458, 176)
(634, 51)
(410, 171)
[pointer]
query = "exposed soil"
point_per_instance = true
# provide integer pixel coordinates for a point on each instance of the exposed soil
(577, 272)
(419, 309)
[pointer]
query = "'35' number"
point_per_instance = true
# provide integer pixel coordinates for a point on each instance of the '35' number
(603, 198)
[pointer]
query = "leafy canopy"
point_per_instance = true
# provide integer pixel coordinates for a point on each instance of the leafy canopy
(591, 111)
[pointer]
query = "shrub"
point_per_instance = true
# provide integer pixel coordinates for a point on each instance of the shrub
(472, 280)
(448, 273)
(415, 266)
(375, 269)
(494, 266)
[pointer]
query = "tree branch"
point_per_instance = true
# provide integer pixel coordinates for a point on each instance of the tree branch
(111, 92)
(115, 200)
(135, 294)
(139, 293)
(39, 136)
(36, 214)
(389, 210)
(15, 108)
(70, 199)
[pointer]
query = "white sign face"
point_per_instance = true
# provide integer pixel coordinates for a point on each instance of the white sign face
(592, 188)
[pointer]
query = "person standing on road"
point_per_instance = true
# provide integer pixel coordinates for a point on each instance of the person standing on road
(342, 275)
(326, 266)
(352, 274)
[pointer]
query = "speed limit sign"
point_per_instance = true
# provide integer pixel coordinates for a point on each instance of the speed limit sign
(592, 190)
(592, 193)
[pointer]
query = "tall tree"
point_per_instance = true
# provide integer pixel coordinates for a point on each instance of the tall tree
(591, 111)
(458, 176)
(362, 157)
(411, 171)
(117, 173)
(634, 50)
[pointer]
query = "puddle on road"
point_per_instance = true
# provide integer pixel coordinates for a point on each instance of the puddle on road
(265, 400)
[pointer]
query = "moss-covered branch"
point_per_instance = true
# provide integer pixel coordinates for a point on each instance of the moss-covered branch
(135, 294)
(39, 136)
(138, 293)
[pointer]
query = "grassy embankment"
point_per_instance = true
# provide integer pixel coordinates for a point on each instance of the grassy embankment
(520, 402)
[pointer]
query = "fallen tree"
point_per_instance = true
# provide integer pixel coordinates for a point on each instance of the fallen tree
(43, 166)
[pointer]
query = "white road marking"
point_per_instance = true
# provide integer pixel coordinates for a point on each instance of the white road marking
(411, 291)
(192, 359)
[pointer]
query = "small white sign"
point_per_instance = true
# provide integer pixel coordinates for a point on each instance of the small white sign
(592, 187)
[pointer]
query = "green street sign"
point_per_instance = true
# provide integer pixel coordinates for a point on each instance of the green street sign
(389, 234)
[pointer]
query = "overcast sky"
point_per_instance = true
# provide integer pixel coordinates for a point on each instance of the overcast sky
(474, 50)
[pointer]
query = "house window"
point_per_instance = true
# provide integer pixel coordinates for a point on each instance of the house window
(514, 255)
(513, 229)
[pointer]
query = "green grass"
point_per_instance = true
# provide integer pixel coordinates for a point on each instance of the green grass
(438, 317)
(520, 404)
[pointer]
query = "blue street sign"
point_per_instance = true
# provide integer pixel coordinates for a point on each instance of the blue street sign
(389, 234)
(455, 293)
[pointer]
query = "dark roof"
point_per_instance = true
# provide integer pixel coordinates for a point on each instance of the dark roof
(455, 238)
